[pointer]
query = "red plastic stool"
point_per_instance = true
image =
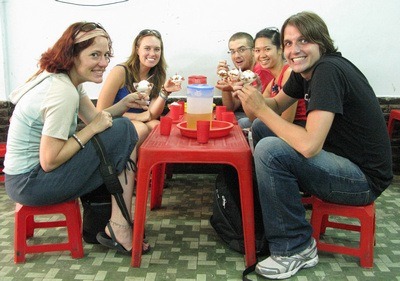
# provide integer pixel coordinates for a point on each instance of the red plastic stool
(394, 115)
(25, 225)
(2, 154)
(307, 199)
(365, 214)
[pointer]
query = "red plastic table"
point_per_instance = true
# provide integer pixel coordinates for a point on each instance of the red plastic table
(157, 150)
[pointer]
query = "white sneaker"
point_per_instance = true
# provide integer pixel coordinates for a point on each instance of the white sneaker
(280, 267)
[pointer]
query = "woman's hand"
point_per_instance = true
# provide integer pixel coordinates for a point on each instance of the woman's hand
(170, 86)
(137, 100)
(101, 122)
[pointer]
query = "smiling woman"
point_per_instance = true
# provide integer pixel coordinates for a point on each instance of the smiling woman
(145, 65)
(92, 62)
(43, 147)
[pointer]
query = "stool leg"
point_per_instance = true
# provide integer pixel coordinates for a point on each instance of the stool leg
(25, 225)
(366, 217)
(316, 222)
(324, 223)
(74, 231)
(367, 241)
(20, 235)
(30, 226)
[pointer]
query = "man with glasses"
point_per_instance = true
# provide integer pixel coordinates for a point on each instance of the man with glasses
(241, 46)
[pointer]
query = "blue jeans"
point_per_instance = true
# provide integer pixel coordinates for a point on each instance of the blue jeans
(77, 176)
(244, 122)
(282, 172)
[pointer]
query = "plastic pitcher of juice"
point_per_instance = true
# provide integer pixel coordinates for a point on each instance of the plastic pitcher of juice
(199, 104)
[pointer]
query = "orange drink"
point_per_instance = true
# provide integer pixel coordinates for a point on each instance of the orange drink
(199, 104)
(193, 118)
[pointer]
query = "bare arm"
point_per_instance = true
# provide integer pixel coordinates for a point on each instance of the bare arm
(113, 83)
(54, 152)
(156, 106)
(232, 103)
(290, 113)
(308, 141)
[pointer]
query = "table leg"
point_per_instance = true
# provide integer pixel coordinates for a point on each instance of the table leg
(142, 190)
(247, 205)
(157, 185)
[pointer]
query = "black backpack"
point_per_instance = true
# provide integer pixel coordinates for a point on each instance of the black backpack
(227, 216)
(96, 213)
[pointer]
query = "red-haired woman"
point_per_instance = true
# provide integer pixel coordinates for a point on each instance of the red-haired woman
(47, 160)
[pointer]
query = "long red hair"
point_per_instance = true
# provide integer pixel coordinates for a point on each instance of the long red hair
(60, 57)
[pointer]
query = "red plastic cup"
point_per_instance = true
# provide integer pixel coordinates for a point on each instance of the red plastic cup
(175, 110)
(182, 109)
(165, 125)
(228, 116)
(219, 109)
(203, 131)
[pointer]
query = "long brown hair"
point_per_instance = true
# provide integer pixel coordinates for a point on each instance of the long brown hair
(157, 72)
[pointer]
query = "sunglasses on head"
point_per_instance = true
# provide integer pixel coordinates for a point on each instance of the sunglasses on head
(88, 26)
(272, 29)
(150, 32)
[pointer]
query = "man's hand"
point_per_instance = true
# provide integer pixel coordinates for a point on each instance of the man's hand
(252, 100)
(223, 86)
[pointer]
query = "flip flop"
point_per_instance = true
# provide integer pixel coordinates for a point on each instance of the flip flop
(111, 242)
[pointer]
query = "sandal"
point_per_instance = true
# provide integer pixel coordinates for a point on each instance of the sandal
(112, 243)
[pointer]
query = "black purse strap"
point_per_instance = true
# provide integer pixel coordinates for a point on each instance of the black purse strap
(247, 271)
(110, 178)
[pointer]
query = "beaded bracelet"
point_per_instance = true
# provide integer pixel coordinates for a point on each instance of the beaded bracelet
(78, 141)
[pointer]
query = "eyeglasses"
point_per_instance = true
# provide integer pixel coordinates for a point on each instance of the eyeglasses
(150, 32)
(241, 50)
(88, 26)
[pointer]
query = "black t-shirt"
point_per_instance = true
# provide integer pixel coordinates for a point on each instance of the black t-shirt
(358, 131)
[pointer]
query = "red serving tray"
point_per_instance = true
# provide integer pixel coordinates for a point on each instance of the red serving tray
(218, 129)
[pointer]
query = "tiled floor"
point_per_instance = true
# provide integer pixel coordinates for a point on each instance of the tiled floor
(185, 246)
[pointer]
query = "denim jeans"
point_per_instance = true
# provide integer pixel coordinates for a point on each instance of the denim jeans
(244, 122)
(282, 172)
(77, 176)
